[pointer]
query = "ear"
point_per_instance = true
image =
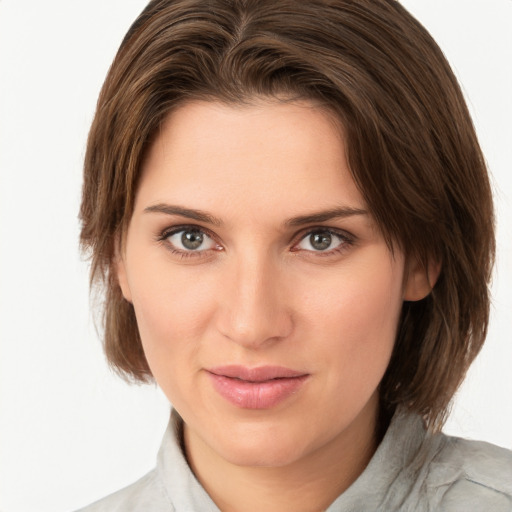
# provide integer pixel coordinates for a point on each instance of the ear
(420, 279)
(120, 271)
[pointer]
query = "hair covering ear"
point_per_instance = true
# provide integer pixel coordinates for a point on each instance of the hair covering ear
(120, 272)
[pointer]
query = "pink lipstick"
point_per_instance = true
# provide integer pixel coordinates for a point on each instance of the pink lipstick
(256, 388)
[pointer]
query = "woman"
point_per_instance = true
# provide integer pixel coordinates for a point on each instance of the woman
(290, 211)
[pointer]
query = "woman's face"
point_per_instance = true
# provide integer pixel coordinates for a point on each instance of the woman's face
(266, 298)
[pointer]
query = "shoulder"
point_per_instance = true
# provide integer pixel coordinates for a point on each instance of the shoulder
(145, 494)
(471, 475)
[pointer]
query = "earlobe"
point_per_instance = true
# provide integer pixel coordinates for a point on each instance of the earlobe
(420, 279)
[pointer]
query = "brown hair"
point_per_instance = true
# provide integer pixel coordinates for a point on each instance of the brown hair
(411, 146)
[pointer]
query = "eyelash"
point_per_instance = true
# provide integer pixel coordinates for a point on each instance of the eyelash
(347, 240)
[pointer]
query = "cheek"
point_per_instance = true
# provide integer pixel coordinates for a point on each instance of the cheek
(172, 316)
(374, 308)
(173, 307)
(355, 314)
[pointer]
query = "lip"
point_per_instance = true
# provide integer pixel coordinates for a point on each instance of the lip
(262, 387)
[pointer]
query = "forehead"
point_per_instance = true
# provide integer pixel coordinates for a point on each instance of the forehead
(267, 157)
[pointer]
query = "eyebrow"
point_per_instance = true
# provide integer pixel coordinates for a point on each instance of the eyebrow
(189, 213)
(202, 216)
(323, 216)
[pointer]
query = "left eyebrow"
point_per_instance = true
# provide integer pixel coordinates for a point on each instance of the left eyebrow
(323, 216)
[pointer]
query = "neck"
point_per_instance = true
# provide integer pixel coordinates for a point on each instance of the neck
(309, 484)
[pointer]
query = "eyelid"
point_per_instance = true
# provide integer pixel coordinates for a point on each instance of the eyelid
(172, 230)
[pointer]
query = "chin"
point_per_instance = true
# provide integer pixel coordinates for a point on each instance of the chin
(268, 449)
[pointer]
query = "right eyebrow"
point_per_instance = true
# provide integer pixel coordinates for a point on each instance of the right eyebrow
(188, 213)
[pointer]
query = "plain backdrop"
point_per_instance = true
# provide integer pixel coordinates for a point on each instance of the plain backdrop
(70, 431)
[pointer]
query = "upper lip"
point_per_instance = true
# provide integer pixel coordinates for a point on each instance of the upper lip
(257, 374)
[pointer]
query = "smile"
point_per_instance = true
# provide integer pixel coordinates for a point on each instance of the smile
(256, 388)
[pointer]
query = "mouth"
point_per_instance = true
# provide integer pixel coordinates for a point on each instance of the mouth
(263, 387)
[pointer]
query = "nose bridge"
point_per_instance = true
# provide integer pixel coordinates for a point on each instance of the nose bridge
(253, 307)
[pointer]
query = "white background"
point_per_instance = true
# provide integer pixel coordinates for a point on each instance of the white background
(70, 431)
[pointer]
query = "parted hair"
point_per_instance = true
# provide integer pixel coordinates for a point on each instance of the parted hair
(412, 151)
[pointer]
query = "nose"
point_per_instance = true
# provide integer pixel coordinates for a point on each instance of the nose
(253, 310)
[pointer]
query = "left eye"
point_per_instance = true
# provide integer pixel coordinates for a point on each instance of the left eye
(321, 241)
(190, 239)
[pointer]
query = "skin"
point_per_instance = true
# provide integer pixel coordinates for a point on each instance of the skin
(258, 292)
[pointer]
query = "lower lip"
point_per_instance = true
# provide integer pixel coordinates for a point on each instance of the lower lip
(256, 395)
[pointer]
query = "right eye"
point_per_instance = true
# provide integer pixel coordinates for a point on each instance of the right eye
(189, 240)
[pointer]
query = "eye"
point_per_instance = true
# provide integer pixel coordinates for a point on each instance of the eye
(190, 240)
(322, 240)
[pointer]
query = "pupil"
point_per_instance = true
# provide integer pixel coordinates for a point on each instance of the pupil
(321, 241)
(192, 239)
